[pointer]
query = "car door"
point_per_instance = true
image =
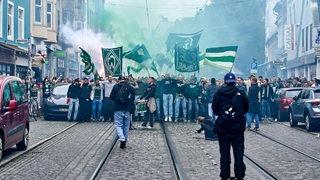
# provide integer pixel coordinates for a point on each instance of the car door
(301, 104)
(8, 117)
(21, 111)
(296, 104)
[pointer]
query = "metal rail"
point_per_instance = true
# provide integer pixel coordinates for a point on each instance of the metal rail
(173, 153)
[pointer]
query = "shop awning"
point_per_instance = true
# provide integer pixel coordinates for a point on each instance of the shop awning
(14, 47)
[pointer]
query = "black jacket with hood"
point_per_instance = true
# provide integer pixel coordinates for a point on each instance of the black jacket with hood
(224, 97)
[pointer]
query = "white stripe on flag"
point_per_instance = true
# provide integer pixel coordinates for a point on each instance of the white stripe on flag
(221, 54)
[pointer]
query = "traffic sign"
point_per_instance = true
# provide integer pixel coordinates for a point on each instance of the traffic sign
(254, 65)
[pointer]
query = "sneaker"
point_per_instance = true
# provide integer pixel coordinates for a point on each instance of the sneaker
(149, 127)
(184, 120)
(170, 119)
(165, 119)
(141, 126)
(122, 144)
(248, 128)
(256, 129)
(188, 120)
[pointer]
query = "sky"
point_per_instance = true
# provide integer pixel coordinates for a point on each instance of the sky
(171, 9)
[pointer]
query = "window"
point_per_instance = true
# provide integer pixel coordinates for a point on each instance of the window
(302, 40)
(49, 15)
(20, 23)
(10, 20)
(307, 38)
(38, 10)
(1, 14)
(18, 91)
(310, 36)
(61, 63)
(6, 96)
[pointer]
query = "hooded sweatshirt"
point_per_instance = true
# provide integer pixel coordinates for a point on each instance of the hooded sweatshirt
(224, 97)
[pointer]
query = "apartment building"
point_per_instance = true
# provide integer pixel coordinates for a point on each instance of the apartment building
(293, 39)
(14, 37)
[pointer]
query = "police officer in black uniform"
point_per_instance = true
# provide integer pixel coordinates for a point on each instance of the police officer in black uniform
(231, 104)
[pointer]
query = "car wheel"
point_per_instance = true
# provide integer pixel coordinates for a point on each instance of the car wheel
(46, 117)
(293, 123)
(1, 147)
(23, 144)
(309, 124)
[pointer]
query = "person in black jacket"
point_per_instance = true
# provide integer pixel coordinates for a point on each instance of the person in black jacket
(73, 99)
(85, 101)
(148, 95)
(254, 104)
(122, 110)
(230, 104)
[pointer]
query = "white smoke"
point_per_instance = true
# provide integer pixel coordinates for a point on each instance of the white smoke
(90, 42)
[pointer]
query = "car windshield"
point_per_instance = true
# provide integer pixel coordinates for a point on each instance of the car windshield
(60, 90)
(292, 93)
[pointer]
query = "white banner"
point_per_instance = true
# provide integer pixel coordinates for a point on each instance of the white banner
(316, 37)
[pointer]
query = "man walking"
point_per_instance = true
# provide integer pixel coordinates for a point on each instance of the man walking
(85, 101)
(123, 96)
(230, 104)
(253, 96)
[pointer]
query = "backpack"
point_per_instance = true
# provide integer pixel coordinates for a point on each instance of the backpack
(123, 96)
(228, 114)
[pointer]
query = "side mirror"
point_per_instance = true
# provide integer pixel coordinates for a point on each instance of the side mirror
(13, 105)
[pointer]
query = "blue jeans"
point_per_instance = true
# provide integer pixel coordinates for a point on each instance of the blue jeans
(250, 117)
(74, 103)
(265, 108)
(158, 109)
(180, 100)
(167, 105)
(210, 111)
(122, 124)
(37, 74)
(96, 102)
(193, 103)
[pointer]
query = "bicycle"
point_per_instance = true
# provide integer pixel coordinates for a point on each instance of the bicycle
(33, 107)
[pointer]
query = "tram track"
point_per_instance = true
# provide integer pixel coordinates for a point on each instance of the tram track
(288, 146)
(178, 171)
(21, 153)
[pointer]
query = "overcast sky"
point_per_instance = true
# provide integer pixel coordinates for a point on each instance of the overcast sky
(171, 9)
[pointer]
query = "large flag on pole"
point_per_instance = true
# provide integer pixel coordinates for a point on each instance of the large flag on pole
(187, 41)
(138, 56)
(88, 64)
(186, 60)
(221, 57)
(112, 61)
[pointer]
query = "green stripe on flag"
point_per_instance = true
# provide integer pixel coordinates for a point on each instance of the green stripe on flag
(221, 57)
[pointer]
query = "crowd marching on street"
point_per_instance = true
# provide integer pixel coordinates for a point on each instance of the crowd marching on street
(210, 102)
(176, 98)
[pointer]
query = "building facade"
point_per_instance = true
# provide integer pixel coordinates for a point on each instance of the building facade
(292, 49)
(14, 37)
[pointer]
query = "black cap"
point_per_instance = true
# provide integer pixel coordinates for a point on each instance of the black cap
(229, 78)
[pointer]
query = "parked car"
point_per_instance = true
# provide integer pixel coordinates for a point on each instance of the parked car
(284, 99)
(306, 109)
(55, 105)
(14, 114)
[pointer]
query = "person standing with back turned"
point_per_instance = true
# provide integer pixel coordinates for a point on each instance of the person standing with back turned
(230, 104)
(123, 97)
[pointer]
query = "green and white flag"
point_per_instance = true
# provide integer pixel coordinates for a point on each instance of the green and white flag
(221, 57)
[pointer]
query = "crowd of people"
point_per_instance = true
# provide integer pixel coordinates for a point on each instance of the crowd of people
(232, 104)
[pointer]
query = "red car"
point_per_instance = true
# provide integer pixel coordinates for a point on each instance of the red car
(284, 98)
(14, 114)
